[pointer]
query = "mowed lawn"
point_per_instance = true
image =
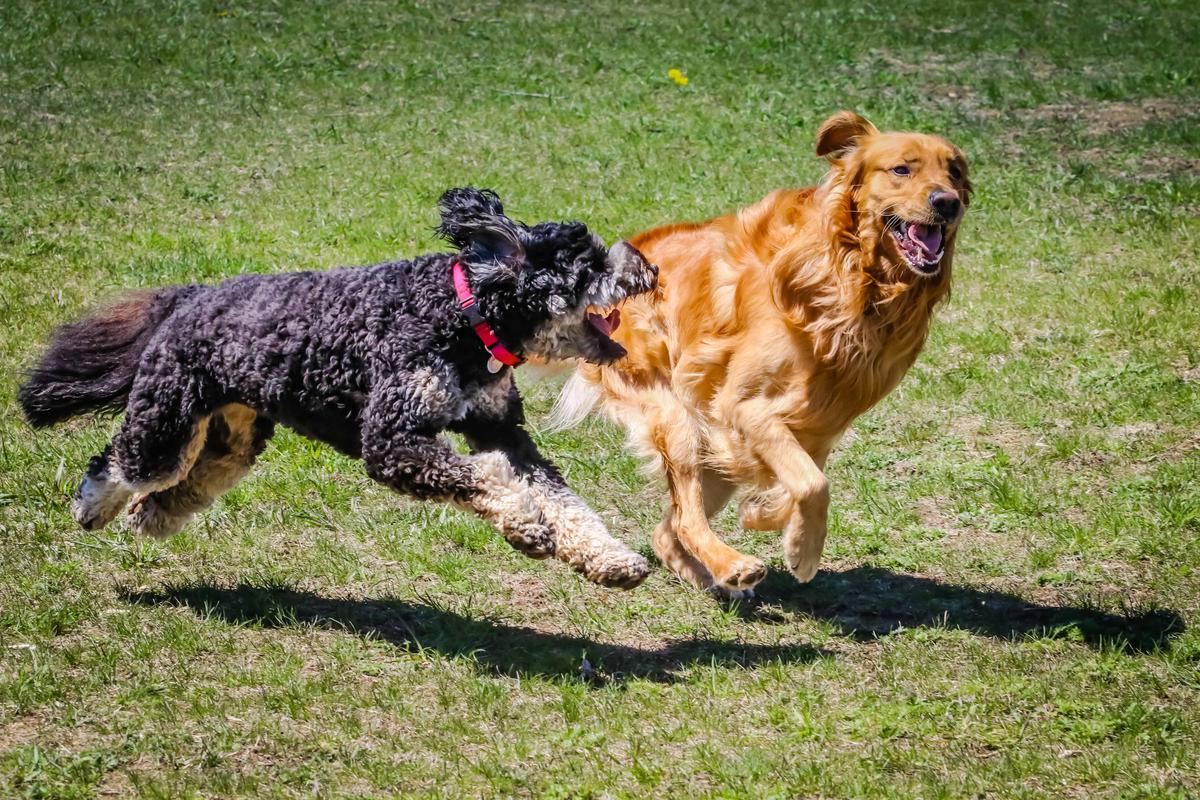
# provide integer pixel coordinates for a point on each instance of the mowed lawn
(1010, 601)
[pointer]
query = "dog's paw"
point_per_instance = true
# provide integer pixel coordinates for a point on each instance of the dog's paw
(744, 573)
(619, 571)
(97, 501)
(533, 539)
(148, 518)
(805, 570)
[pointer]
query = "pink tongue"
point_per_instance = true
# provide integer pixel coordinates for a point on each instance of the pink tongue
(929, 236)
(605, 325)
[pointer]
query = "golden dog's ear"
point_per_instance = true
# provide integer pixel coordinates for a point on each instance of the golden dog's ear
(841, 133)
(968, 188)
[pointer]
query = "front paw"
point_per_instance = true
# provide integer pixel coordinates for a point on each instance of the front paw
(534, 539)
(804, 569)
(743, 573)
(147, 516)
(619, 570)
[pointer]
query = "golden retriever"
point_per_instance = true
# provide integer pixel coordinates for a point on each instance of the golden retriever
(770, 331)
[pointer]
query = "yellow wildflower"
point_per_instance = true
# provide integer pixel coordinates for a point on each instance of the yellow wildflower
(677, 76)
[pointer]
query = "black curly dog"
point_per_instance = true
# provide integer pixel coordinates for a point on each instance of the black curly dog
(376, 361)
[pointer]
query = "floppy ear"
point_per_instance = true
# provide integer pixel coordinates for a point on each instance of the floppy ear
(624, 257)
(968, 188)
(841, 133)
(473, 221)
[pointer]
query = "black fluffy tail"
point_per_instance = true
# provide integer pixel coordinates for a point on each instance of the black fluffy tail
(90, 364)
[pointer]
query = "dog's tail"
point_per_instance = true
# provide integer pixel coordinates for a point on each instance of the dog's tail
(90, 364)
(579, 397)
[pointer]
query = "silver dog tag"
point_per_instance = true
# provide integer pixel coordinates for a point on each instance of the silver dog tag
(494, 366)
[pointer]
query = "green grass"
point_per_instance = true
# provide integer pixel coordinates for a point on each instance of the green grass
(1010, 605)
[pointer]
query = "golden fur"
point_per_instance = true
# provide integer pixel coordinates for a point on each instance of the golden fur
(770, 331)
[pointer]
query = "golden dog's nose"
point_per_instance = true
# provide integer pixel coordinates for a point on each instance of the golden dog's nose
(946, 204)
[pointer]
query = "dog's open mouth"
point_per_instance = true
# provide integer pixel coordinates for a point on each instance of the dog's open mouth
(921, 245)
(601, 326)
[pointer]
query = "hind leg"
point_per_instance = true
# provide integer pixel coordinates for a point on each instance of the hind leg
(679, 441)
(101, 494)
(161, 437)
(236, 436)
(674, 555)
(111, 480)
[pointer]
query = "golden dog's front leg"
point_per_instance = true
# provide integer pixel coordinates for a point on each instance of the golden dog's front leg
(805, 482)
(696, 493)
(804, 536)
(731, 570)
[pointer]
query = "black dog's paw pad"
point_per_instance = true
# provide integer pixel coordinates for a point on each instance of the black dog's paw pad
(624, 572)
(535, 541)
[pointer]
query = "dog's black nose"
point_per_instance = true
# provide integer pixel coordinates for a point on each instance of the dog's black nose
(946, 204)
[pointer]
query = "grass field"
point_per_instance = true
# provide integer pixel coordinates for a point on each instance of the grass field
(1010, 604)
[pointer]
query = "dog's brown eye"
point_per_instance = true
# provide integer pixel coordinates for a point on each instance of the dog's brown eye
(901, 169)
(955, 172)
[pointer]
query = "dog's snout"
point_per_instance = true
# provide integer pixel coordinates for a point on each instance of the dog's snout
(946, 204)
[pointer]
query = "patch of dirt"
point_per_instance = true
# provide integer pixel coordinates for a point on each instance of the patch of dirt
(524, 592)
(1088, 459)
(1145, 168)
(1135, 430)
(1185, 447)
(1111, 116)
(20, 731)
(1075, 516)
(1191, 375)
(970, 428)
(1171, 165)
(930, 512)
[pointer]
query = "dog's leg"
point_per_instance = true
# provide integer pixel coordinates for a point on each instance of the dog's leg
(675, 556)
(101, 494)
(678, 441)
(401, 449)
(801, 475)
(236, 437)
(729, 568)
(159, 441)
(580, 536)
(427, 467)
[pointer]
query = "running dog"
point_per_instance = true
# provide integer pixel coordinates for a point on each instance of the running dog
(376, 361)
(770, 331)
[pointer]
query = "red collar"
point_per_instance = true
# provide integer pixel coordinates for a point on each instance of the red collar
(466, 301)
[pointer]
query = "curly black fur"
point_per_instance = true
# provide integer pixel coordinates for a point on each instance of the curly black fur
(375, 361)
(90, 364)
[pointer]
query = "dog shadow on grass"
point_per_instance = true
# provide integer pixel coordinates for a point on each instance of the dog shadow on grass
(870, 602)
(496, 646)
(862, 603)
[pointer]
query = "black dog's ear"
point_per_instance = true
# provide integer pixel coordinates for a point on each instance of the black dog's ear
(473, 221)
